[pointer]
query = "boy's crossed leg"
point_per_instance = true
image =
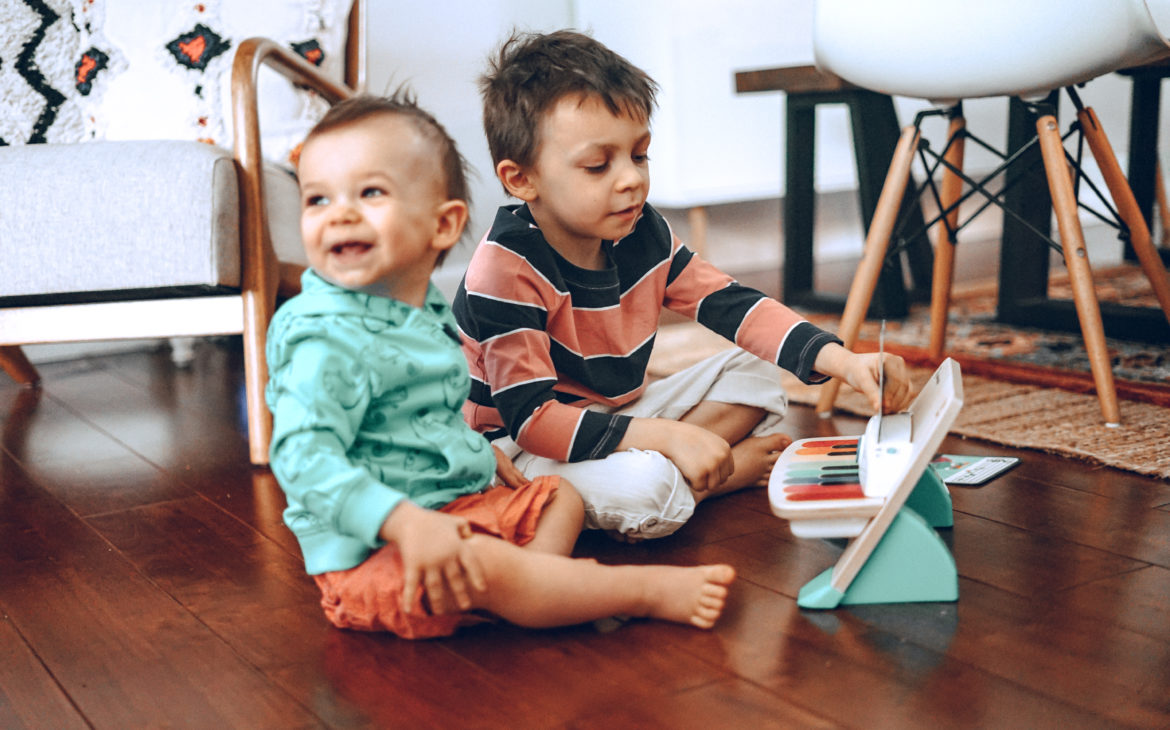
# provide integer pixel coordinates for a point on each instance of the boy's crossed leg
(754, 455)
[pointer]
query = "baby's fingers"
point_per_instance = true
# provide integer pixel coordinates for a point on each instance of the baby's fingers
(436, 591)
(473, 569)
(410, 579)
(458, 585)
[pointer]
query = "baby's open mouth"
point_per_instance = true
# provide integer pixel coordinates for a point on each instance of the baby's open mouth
(349, 247)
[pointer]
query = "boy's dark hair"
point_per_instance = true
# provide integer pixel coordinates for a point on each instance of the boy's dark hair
(533, 71)
(403, 103)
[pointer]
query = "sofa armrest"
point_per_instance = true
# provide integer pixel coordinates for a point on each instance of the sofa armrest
(258, 266)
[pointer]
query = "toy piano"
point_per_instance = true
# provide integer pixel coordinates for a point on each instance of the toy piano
(878, 490)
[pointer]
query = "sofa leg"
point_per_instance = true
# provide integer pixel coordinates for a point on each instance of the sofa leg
(16, 364)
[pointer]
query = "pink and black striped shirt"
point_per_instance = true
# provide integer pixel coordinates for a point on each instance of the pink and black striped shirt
(544, 338)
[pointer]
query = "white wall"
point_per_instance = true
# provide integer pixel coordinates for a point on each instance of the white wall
(440, 49)
(710, 145)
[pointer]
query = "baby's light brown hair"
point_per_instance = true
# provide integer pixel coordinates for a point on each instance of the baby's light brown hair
(403, 103)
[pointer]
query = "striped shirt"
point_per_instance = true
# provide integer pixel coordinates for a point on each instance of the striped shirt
(544, 338)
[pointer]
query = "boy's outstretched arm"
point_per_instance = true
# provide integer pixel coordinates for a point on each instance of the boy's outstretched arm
(861, 372)
(435, 552)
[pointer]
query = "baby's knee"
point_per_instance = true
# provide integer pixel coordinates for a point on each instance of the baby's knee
(568, 501)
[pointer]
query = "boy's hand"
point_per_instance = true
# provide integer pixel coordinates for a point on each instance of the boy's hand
(509, 475)
(861, 372)
(703, 457)
(435, 553)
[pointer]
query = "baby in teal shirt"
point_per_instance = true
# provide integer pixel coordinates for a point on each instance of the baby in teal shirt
(408, 519)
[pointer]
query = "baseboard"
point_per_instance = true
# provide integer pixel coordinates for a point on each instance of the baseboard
(39, 354)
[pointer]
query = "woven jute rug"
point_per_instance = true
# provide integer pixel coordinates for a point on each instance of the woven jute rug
(1013, 414)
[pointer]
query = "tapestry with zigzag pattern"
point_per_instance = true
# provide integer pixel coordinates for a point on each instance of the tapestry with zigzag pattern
(84, 70)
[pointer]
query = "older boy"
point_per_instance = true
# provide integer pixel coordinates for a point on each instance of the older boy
(389, 491)
(560, 305)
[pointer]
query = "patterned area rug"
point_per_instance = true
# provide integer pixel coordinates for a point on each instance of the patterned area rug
(1000, 404)
(1034, 356)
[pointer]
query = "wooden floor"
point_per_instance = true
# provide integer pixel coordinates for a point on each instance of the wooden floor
(146, 580)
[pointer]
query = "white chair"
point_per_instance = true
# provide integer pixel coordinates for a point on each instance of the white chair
(945, 51)
(201, 211)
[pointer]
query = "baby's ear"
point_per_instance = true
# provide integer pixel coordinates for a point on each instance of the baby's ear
(515, 180)
(452, 217)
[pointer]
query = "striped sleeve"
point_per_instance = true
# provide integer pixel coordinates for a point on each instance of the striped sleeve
(502, 309)
(757, 323)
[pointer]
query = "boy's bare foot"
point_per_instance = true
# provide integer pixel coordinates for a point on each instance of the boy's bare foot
(754, 458)
(692, 595)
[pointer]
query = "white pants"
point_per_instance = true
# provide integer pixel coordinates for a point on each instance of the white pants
(642, 493)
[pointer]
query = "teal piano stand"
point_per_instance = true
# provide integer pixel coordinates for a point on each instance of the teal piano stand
(879, 491)
(910, 563)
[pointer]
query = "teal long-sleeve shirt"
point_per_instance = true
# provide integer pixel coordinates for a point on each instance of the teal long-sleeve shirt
(366, 395)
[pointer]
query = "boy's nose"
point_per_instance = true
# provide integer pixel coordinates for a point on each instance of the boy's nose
(630, 176)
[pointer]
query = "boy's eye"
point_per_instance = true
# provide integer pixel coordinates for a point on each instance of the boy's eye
(642, 159)
(597, 169)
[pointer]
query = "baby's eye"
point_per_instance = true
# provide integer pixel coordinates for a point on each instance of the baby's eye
(314, 200)
(373, 192)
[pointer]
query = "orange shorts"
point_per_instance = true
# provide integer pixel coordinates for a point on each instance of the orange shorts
(367, 597)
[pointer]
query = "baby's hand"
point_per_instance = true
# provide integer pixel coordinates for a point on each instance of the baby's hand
(435, 552)
(509, 475)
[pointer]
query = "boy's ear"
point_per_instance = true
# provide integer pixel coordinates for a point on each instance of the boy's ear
(516, 180)
(451, 220)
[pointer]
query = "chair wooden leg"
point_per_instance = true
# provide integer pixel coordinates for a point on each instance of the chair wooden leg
(1072, 240)
(16, 364)
(257, 314)
(1127, 207)
(944, 247)
(877, 241)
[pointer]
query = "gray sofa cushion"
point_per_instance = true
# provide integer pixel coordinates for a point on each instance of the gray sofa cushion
(115, 216)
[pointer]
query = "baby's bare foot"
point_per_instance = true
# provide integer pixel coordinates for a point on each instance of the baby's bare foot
(692, 595)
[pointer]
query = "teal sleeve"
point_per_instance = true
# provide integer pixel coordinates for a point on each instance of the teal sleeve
(318, 397)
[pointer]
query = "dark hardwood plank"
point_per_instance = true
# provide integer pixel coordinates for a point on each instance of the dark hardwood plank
(1137, 601)
(125, 653)
(242, 585)
(860, 675)
(29, 696)
(576, 670)
(705, 707)
(1026, 563)
(1125, 525)
(140, 547)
